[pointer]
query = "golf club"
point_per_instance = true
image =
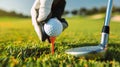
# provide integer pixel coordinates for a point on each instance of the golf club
(101, 48)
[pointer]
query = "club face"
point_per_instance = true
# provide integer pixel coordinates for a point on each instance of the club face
(88, 51)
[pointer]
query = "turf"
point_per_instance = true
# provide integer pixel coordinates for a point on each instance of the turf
(20, 46)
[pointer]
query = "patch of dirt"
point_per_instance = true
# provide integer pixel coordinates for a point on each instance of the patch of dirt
(97, 16)
(116, 18)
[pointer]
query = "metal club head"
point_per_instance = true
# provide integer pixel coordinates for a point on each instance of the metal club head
(88, 51)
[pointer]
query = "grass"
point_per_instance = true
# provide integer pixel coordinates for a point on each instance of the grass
(20, 46)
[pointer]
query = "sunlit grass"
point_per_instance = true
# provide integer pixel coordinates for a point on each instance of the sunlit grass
(20, 46)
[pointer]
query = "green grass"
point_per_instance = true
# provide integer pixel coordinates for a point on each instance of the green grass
(20, 46)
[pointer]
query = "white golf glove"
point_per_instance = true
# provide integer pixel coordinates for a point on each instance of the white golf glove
(39, 12)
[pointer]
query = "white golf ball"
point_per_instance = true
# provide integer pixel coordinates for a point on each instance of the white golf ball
(53, 27)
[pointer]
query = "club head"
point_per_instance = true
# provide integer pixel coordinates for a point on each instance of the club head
(88, 51)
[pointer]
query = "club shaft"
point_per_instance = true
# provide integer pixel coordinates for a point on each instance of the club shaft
(105, 30)
(108, 12)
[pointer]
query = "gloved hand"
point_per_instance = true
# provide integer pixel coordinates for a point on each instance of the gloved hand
(39, 12)
(43, 10)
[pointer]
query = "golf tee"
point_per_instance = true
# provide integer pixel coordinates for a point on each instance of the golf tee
(52, 39)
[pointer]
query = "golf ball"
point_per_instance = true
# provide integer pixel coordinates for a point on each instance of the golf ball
(53, 27)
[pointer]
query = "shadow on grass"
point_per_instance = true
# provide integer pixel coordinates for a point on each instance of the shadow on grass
(113, 52)
(24, 53)
(81, 45)
(36, 51)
